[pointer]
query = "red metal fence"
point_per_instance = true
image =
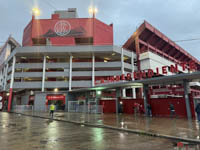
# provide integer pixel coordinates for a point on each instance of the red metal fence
(160, 106)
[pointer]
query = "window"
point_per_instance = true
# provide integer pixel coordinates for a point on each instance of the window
(39, 41)
(84, 41)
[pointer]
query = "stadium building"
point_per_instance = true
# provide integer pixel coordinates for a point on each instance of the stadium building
(66, 53)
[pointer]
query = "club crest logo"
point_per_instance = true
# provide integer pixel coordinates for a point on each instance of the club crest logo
(62, 28)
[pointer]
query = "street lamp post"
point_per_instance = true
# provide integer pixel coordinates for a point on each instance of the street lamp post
(93, 11)
(35, 12)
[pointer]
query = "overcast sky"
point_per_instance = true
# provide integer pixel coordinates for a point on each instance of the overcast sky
(178, 19)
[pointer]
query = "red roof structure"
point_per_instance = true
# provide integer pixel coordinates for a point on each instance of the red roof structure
(147, 37)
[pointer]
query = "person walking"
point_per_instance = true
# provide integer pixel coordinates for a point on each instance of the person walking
(52, 109)
(149, 111)
(121, 107)
(197, 109)
(135, 109)
(141, 109)
(172, 110)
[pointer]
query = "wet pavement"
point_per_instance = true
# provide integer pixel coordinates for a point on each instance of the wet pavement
(175, 127)
(19, 132)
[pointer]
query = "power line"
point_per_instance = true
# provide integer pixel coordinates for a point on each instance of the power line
(187, 40)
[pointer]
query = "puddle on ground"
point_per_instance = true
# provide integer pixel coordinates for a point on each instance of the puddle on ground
(186, 145)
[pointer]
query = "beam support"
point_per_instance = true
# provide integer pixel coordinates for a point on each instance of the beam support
(145, 93)
(150, 37)
(93, 70)
(159, 51)
(5, 77)
(133, 67)
(177, 55)
(1, 78)
(182, 57)
(97, 99)
(158, 43)
(43, 73)
(122, 70)
(165, 47)
(137, 46)
(68, 99)
(70, 73)
(136, 34)
(172, 52)
(118, 95)
(11, 84)
(187, 100)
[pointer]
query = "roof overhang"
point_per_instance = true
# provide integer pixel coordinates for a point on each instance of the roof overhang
(152, 39)
(63, 51)
(173, 79)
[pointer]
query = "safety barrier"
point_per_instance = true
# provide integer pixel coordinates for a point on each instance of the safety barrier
(22, 108)
(74, 106)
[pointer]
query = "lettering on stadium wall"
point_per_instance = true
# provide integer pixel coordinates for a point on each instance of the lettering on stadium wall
(148, 73)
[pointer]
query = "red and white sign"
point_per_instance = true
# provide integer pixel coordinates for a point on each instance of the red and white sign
(62, 28)
(55, 97)
(147, 74)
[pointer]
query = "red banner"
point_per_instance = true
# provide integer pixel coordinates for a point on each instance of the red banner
(55, 97)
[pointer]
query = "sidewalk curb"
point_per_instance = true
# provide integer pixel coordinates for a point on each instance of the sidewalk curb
(140, 132)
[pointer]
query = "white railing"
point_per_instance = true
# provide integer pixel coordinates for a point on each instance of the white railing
(74, 106)
(23, 108)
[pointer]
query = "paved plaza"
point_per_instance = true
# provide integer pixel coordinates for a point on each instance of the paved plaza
(26, 133)
(154, 129)
(170, 127)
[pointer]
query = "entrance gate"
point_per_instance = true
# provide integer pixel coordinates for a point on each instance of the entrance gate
(58, 100)
(82, 107)
(77, 106)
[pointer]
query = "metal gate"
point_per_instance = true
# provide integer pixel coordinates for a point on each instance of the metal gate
(82, 107)
(76, 106)
(196, 101)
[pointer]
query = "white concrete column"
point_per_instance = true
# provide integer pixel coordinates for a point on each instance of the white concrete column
(5, 77)
(11, 84)
(145, 93)
(21, 77)
(133, 67)
(93, 70)
(118, 95)
(44, 72)
(70, 73)
(187, 99)
(12, 73)
(122, 61)
(122, 70)
(1, 78)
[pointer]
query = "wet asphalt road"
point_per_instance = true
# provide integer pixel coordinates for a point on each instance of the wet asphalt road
(26, 133)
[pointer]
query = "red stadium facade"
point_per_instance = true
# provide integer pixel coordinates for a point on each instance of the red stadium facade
(81, 30)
